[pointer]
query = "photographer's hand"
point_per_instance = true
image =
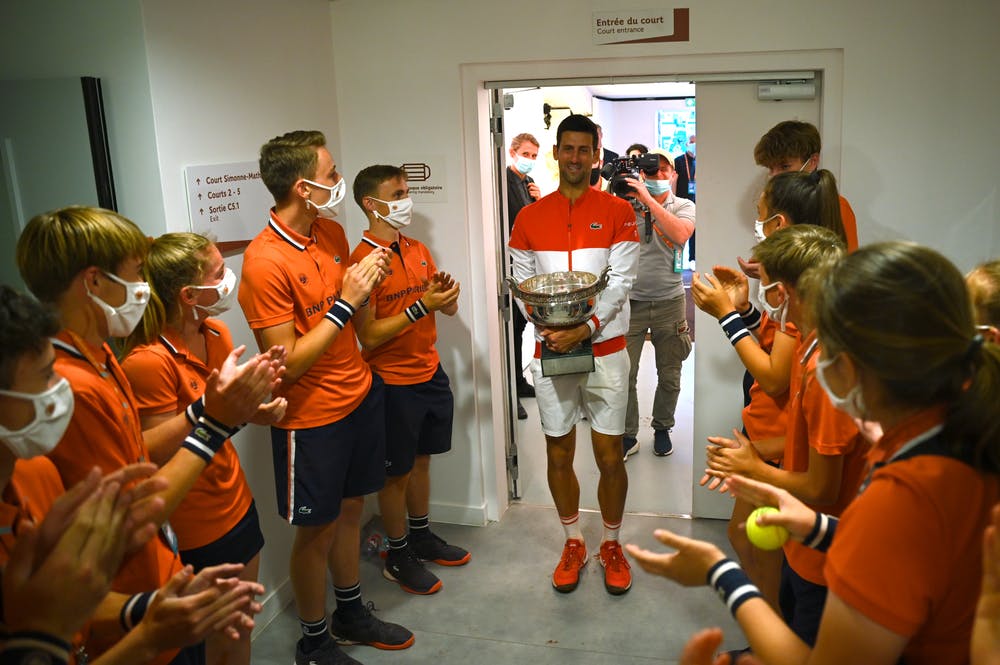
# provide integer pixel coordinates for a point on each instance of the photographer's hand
(641, 193)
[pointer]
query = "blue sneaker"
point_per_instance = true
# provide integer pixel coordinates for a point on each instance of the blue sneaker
(661, 443)
(630, 446)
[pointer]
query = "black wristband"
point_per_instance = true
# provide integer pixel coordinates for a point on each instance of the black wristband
(732, 324)
(340, 313)
(194, 410)
(417, 310)
(751, 317)
(205, 438)
(134, 609)
(732, 584)
(822, 532)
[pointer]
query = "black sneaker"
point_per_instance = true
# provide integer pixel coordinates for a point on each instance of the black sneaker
(366, 628)
(431, 547)
(404, 568)
(661, 443)
(328, 654)
(630, 446)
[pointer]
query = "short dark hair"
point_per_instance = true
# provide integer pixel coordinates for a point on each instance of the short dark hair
(637, 146)
(287, 158)
(577, 123)
(367, 181)
(25, 328)
(789, 138)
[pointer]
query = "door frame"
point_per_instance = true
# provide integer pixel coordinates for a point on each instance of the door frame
(482, 174)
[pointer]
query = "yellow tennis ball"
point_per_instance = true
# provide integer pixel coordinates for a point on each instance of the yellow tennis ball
(769, 537)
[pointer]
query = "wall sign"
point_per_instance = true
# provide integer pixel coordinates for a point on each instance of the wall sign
(228, 201)
(425, 176)
(642, 26)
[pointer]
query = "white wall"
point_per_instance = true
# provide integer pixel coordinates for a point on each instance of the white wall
(59, 38)
(225, 77)
(633, 121)
(188, 82)
(903, 180)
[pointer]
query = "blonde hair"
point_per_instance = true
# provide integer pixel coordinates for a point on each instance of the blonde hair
(520, 139)
(984, 289)
(789, 253)
(174, 260)
(55, 246)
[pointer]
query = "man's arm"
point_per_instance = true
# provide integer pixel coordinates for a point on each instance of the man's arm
(677, 226)
(304, 350)
(441, 295)
(623, 259)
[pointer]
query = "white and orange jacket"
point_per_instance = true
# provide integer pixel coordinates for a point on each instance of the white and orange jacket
(596, 231)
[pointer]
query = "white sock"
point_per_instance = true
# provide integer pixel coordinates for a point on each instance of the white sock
(611, 531)
(571, 525)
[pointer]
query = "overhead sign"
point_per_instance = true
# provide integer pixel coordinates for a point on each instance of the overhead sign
(641, 26)
(228, 201)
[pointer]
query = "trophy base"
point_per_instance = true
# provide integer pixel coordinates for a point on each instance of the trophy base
(578, 361)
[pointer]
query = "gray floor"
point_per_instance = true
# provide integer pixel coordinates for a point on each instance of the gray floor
(501, 608)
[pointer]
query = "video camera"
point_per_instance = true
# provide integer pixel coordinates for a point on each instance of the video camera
(620, 168)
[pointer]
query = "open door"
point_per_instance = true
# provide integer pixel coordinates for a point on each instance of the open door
(730, 120)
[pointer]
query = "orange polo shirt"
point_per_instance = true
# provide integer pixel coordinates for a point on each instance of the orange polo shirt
(410, 357)
(166, 377)
(104, 432)
(813, 423)
(766, 416)
(291, 277)
(850, 224)
(908, 552)
(33, 487)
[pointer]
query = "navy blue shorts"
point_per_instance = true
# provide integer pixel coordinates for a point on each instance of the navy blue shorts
(317, 467)
(418, 421)
(241, 544)
(801, 603)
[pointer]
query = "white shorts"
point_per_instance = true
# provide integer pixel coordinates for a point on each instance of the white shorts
(602, 395)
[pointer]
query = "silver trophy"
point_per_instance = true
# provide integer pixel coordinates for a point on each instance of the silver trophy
(559, 300)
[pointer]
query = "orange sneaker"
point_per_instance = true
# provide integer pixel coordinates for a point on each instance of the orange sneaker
(617, 577)
(567, 574)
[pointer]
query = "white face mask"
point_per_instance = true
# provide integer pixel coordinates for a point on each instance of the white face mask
(853, 403)
(53, 410)
(123, 319)
(337, 193)
(758, 228)
(227, 292)
(779, 313)
(400, 212)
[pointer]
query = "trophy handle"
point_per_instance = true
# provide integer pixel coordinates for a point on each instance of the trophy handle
(513, 286)
(602, 281)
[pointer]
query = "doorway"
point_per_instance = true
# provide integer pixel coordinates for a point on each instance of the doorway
(730, 119)
(655, 115)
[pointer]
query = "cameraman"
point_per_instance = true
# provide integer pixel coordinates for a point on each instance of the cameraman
(664, 222)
